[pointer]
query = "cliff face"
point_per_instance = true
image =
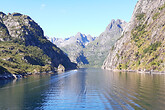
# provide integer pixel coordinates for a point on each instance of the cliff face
(22, 42)
(97, 50)
(141, 47)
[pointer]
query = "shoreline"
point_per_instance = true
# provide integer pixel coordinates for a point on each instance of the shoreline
(10, 76)
(145, 71)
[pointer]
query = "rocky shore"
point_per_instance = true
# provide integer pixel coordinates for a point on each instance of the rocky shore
(139, 71)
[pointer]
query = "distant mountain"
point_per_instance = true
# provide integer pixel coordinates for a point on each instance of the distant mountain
(142, 45)
(79, 38)
(73, 46)
(91, 51)
(23, 47)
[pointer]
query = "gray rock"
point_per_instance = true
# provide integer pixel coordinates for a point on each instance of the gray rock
(124, 50)
(61, 68)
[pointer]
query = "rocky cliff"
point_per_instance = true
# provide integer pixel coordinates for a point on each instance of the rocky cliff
(23, 47)
(141, 46)
(97, 51)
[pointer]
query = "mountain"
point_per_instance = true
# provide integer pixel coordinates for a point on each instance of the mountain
(142, 45)
(90, 51)
(23, 47)
(97, 50)
(79, 37)
(73, 46)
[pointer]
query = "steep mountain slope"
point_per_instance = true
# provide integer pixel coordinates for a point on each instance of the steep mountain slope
(74, 46)
(97, 50)
(23, 47)
(142, 45)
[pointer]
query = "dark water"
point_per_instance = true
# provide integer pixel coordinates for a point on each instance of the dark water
(94, 89)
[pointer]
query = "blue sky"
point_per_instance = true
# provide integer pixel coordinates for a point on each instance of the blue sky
(64, 18)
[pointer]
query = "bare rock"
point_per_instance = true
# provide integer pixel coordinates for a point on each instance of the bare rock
(61, 68)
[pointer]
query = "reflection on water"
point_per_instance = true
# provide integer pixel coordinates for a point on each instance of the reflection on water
(84, 89)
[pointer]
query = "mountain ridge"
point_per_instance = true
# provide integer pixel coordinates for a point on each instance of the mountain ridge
(82, 38)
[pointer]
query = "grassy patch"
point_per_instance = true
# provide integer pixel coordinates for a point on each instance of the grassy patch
(162, 7)
(152, 47)
(12, 54)
(140, 16)
(138, 32)
(155, 16)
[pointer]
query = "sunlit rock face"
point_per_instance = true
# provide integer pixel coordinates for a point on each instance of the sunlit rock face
(141, 46)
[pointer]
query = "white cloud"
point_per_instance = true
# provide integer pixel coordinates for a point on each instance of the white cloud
(43, 6)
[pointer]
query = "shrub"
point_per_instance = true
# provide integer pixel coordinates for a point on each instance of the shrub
(162, 7)
(113, 47)
(117, 56)
(155, 16)
(140, 16)
(137, 54)
(152, 47)
(137, 32)
(2, 70)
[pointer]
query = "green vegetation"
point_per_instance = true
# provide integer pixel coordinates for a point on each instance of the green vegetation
(122, 66)
(43, 41)
(137, 54)
(117, 56)
(140, 16)
(4, 32)
(13, 57)
(161, 8)
(120, 37)
(25, 49)
(57, 49)
(113, 47)
(138, 32)
(152, 47)
(96, 57)
(147, 55)
(155, 16)
(138, 63)
(2, 70)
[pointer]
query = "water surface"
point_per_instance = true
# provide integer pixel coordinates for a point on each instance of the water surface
(94, 89)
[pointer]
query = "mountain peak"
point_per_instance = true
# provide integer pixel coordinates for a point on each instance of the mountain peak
(78, 34)
(115, 23)
(2, 14)
(16, 14)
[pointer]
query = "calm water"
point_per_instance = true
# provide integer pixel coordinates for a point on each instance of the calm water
(84, 89)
